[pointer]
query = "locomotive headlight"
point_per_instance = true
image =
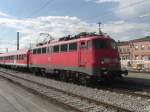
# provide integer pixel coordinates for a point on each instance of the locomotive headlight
(105, 60)
(116, 60)
(102, 61)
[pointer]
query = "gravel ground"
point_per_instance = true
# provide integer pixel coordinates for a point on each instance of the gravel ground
(126, 101)
(65, 98)
(13, 98)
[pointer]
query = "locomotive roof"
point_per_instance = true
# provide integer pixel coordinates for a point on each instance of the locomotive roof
(74, 40)
(22, 51)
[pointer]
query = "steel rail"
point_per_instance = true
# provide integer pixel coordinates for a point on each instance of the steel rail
(129, 92)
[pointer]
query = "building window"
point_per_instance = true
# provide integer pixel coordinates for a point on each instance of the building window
(124, 50)
(127, 57)
(136, 47)
(142, 47)
(148, 47)
(142, 57)
(120, 50)
(123, 57)
(148, 57)
(136, 57)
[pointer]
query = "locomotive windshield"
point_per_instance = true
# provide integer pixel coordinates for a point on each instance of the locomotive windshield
(114, 45)
(100, 44)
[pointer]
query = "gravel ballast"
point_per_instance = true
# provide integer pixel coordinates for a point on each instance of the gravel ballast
(130, 102)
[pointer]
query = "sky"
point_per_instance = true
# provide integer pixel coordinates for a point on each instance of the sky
(121, 19)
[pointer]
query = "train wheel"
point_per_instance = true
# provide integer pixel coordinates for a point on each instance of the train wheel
(42, 73)
(92, 81)
(83, 80)
(62, 76)
(36, 71)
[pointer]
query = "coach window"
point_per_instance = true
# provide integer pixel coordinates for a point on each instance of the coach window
(64, 47)
(19, 57)
(72, 46)
(24, 55)
(15, 57)
(56, 48)
(44, 50)
(39, 51)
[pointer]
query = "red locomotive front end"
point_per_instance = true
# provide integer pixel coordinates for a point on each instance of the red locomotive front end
(99, 57)
(106, 58)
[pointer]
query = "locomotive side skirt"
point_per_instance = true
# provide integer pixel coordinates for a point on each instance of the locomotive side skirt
(88, 71)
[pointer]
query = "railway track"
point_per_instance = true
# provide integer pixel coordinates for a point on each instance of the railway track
(128, 92)
(73, 101)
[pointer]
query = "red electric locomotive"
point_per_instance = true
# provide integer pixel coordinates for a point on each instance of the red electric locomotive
(84, 56)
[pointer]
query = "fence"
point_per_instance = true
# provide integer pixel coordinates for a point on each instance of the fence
(141, 65)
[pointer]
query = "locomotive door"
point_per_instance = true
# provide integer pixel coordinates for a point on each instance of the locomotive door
(83, 54)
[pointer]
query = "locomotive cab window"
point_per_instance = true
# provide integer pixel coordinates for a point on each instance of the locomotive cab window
(114, 45)
(64, 47)
(100, 44)
(72, 46)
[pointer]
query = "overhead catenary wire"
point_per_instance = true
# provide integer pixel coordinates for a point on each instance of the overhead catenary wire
(41, 8)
